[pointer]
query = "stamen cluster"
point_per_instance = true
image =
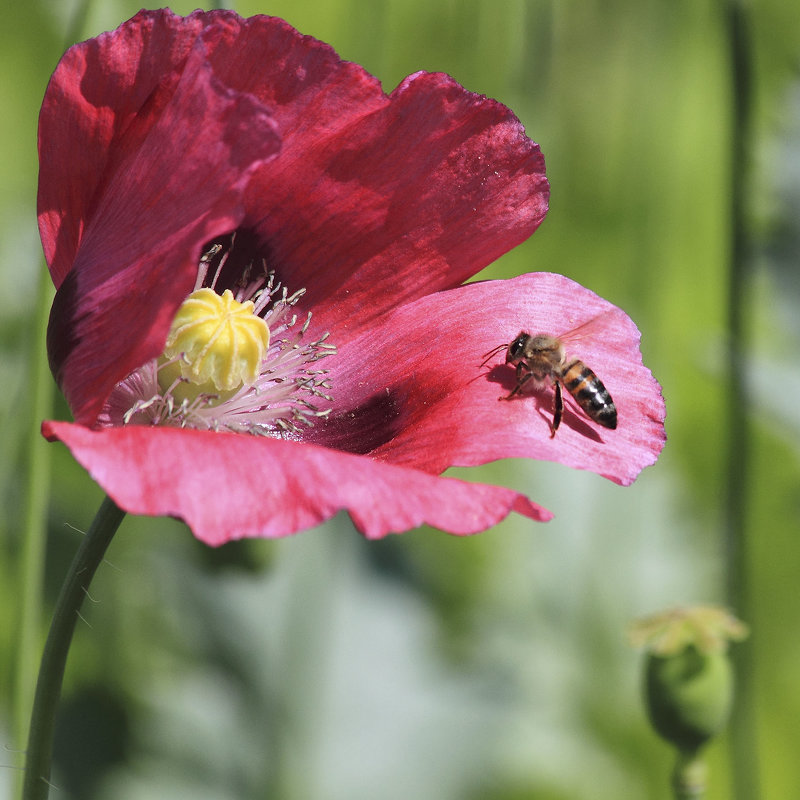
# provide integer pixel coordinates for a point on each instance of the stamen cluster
(282, 398)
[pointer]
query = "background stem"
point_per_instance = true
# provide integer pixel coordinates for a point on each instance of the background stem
(744, 742)
(34, 521)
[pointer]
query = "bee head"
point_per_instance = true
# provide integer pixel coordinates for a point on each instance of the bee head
(516, 350)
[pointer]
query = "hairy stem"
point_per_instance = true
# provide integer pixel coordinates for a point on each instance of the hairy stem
(36, 784)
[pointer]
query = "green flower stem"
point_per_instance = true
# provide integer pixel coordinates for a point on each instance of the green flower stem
(36, 785)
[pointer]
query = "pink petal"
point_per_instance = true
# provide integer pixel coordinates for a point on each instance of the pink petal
(412, 390)
(228, 486)
(157, 185)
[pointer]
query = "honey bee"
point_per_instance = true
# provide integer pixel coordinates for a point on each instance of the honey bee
(541, 359)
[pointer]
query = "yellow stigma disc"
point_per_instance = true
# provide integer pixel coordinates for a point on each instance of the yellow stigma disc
(218, 344)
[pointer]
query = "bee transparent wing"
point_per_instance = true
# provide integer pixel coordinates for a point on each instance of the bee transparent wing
(591, 328)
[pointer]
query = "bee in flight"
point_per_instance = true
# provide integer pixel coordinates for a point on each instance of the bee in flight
(541, 359)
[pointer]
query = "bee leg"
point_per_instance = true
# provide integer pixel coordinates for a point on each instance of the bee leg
(558, 409)
(523, 377)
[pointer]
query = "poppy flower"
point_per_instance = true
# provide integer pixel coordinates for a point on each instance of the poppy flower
(261, 317)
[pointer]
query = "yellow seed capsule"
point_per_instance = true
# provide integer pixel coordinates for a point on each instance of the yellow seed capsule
(216, 343)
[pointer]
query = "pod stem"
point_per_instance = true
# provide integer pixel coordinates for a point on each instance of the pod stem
(689, 778)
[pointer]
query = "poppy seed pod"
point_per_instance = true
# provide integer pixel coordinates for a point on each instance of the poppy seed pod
(688, 678)
(689, 695)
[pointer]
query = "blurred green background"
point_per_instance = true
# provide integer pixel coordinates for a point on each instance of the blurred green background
(494, 667)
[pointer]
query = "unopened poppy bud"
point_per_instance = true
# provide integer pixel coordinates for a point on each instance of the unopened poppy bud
(688, 675)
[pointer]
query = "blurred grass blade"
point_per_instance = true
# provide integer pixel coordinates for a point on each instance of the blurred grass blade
(37, 493)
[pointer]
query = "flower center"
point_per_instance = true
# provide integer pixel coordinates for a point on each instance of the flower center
(215, 347)
(241, 361)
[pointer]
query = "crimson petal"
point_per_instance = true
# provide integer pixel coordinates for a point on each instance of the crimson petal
(229, 486)
(405, 201)
(369, 189)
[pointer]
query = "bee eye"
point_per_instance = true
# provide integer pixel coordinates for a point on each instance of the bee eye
(515, 348)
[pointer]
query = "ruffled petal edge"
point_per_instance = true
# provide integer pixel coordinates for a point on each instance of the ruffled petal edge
(229, 486)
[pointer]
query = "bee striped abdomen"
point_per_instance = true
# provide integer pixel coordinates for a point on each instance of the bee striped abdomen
(589, 393)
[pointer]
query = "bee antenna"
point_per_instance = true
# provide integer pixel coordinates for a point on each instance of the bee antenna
(488, 356)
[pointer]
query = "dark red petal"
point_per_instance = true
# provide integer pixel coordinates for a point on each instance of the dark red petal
(229, 486)
(376, 200)
(164, 182)
(96, 93)
(412, 391)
